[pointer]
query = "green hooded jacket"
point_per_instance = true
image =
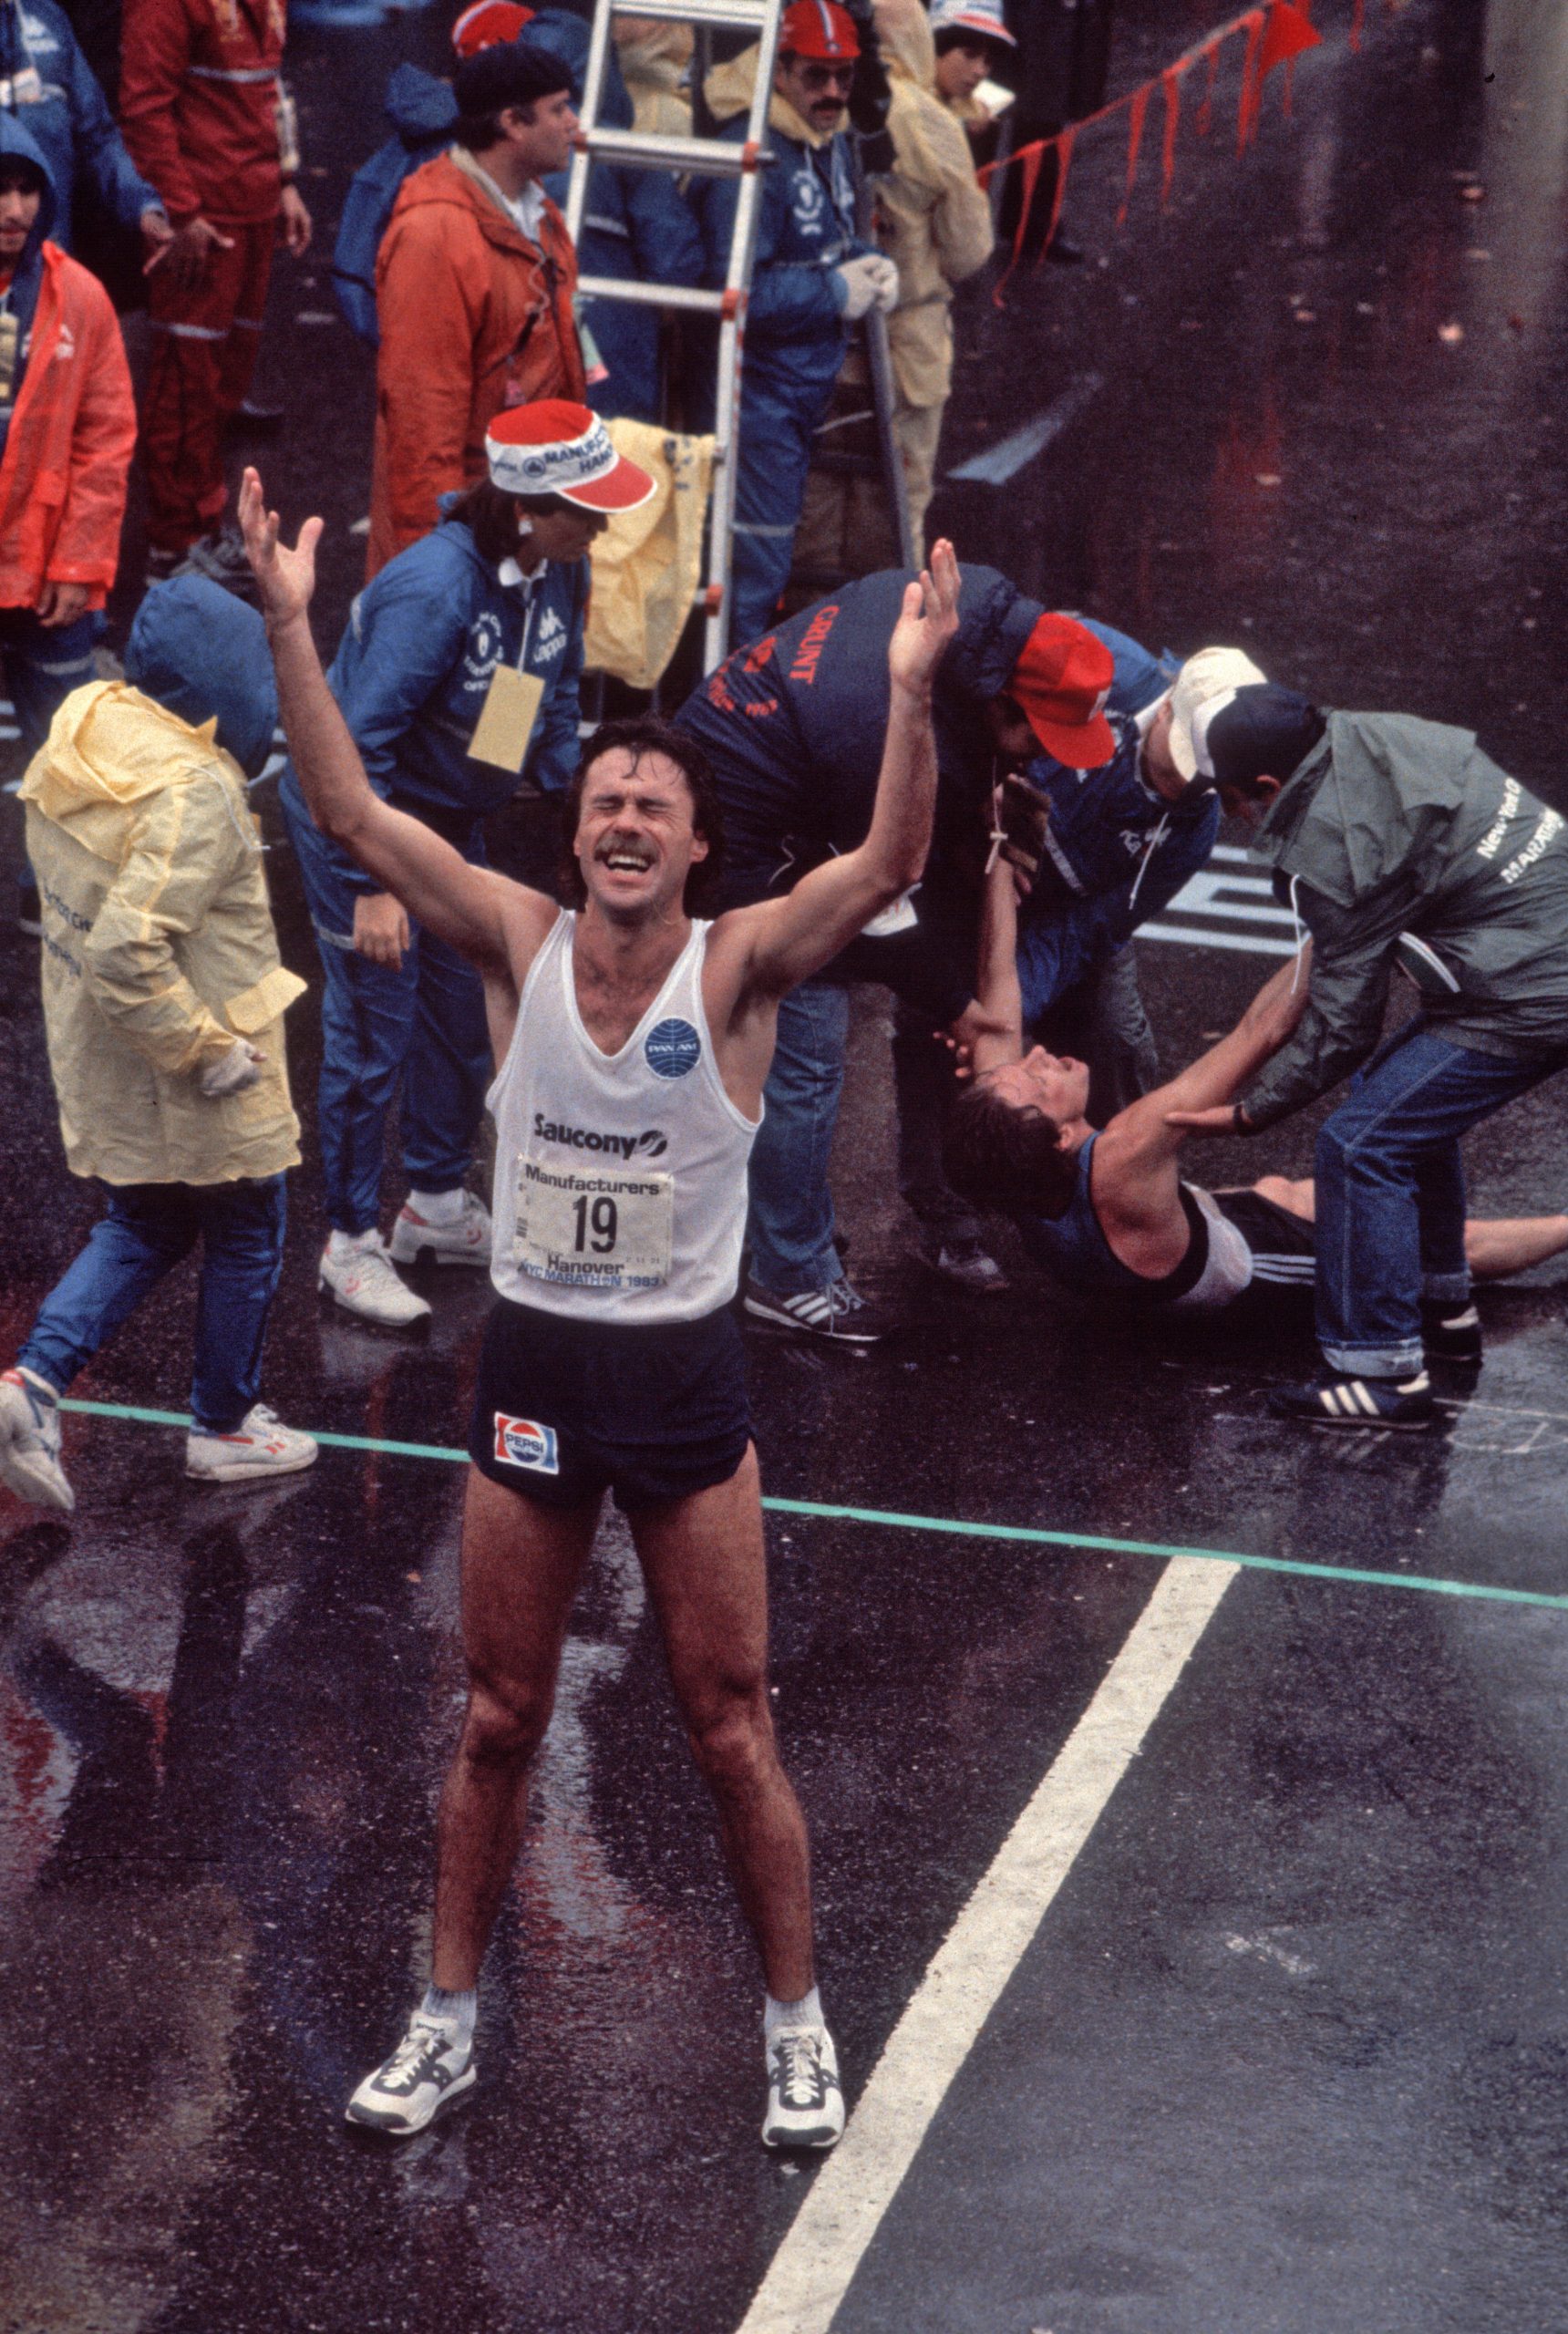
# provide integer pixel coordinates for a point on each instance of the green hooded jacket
(1394, 825)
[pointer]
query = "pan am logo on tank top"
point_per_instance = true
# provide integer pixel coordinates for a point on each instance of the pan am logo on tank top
(672, 1049)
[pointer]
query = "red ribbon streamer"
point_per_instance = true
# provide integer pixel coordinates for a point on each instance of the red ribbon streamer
(1250, 99)
(1170, 90)
(1063, 142)
(1203, 119)
(1031, 157)
(1140, 108)
(1277, 33)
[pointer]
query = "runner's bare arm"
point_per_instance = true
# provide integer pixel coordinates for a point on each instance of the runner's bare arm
(781, 942)
(488, 917)
(1152, 1130)
(991, 1031)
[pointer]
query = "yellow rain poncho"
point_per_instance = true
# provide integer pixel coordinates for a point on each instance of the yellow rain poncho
(159, 949)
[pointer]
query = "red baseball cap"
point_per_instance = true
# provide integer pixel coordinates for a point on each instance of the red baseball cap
(1061, 683)
(821, 30)
(487, 24)
(554, 446)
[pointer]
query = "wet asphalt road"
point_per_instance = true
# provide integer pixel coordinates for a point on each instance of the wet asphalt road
(1290, 2049)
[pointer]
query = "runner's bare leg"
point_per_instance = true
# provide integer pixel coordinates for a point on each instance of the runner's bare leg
(521, 1563)
(704, 1563)
(1494, 1245)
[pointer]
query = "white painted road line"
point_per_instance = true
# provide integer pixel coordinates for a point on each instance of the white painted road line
(1004, 460)
(1194, 936)
(811, 2272)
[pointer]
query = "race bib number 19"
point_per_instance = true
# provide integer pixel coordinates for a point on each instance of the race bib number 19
(593, 1227)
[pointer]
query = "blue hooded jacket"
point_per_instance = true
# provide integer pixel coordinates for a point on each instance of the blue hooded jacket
(198, 651)
(414, 669)
(69, 117)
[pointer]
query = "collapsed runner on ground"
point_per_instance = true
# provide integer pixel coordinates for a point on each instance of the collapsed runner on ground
(613, 1359)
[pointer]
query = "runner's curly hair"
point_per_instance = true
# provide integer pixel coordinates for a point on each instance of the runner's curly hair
(647, 734)
(999, 1154)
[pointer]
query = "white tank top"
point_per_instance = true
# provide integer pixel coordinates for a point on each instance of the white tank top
(620, 1179)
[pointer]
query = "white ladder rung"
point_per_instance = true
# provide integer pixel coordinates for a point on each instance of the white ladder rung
(652, 296)
(716, 158)
(719, 15)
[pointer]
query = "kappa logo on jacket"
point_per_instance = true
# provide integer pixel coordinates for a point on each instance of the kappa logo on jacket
(551, 638)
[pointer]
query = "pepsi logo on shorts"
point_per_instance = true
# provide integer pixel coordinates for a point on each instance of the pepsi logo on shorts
(523, 1443)
(672, 1049)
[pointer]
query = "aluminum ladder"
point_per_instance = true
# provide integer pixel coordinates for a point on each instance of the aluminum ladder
(715, 158)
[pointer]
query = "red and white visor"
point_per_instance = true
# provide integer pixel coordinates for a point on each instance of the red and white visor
(556, 446)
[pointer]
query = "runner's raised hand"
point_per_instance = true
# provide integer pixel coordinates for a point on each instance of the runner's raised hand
(926, 624)
(285, 579)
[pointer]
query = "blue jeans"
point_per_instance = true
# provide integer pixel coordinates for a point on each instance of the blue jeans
(791, 1224)
(145, 1232)
(44, 663)
(425, 1022)
(1391, 1193)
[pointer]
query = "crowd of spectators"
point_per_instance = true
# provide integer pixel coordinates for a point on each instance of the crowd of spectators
(496, 465)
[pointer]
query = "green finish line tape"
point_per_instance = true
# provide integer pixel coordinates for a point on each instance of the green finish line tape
(1031, 1533)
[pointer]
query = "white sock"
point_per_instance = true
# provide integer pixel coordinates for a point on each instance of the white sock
(353, 1244)
(438, 1207)
(807, 2011)
(457, 2010)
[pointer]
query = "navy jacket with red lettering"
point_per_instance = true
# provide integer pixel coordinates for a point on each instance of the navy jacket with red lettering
(794, 727)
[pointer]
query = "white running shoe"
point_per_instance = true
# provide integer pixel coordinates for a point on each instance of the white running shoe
(465, 1241)
(261, 1446)
(805, 2104)
(427, 2072)
(30, 1442)
(364, 1282)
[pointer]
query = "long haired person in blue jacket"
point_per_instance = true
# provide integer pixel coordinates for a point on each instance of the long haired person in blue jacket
(457, 677)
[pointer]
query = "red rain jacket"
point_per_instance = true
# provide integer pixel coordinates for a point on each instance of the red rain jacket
(473, 317)
(199, 105)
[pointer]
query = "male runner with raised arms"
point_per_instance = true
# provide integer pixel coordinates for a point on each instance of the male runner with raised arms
(1107, 1212)
(632, 1047)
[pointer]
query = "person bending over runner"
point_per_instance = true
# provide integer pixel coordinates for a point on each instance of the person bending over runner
(1107, 1212)
(631, 1046)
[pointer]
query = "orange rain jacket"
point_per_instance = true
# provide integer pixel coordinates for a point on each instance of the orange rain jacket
(62, 478)
(473, 317)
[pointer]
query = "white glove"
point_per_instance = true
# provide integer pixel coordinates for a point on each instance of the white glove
(887, 285)
(862, 279)
(234, 1071)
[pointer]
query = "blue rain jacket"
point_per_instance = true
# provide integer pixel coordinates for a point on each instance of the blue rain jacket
(197, 650)
(69, 120)
(423, 113)
(414, 667)
(805, 229)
